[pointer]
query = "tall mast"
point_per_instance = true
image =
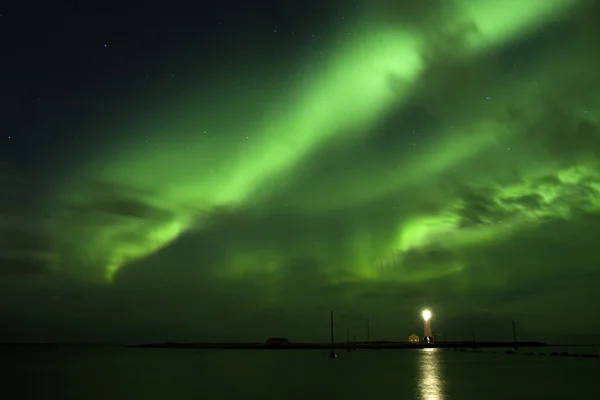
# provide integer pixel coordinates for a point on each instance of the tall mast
(514, 329)
(368, 328)
(332, 354)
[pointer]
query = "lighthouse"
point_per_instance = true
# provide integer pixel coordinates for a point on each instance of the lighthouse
(427, 335)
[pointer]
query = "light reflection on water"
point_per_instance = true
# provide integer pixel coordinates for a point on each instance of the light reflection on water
(431, 382)
(38, 372)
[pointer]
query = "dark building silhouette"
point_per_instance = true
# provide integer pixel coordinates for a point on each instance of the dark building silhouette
(278, 342)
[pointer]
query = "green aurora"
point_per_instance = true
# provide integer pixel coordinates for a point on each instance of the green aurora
(308, 168)
(186, 175)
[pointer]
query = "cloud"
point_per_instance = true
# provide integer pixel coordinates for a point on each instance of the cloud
(106, 198)
(24, 246)
(479, 209)
(20, 267)
(527, 201)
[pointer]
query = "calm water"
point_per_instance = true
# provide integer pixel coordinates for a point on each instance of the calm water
(121, 373)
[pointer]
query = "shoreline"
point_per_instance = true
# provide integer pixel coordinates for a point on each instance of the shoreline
(342, 346)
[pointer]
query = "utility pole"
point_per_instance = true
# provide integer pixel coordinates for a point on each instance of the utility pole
(515, 335)
(368, 328)
(348, 339)
(332, 354)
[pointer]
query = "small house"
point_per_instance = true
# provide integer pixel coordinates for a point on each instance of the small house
(413, 338)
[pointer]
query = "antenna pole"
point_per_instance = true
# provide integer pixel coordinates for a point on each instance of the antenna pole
(331, 320)
(332, 354)
(368, 328)
(514, 329)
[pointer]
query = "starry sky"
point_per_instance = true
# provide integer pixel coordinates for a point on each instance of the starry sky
(234, 170)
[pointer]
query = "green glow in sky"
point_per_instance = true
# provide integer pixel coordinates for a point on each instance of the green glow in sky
(188, 171)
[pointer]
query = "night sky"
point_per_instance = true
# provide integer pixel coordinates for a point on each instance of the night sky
(234, 170)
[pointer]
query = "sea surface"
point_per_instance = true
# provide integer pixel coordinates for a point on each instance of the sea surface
(39, 372)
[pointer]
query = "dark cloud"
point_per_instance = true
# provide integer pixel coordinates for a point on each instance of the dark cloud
(416, 257)
(191, 260)
(21, 191)
(21, 241)
(548, 180)
(414, 262)
(564, 134)
(451, 87)
(579, 199)
(304, 272)
(410, 13)
(126, 207)
(117, 200)
(479, 208)
(20, 267)
(426, 264)
(528, 201)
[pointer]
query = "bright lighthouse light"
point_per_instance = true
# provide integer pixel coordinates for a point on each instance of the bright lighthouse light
(426, 315)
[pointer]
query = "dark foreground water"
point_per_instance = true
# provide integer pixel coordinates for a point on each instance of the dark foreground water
(122, 373)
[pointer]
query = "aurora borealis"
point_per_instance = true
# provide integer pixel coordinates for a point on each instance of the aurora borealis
(403, 155)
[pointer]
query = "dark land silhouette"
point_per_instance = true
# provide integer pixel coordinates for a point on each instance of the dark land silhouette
(358, 345)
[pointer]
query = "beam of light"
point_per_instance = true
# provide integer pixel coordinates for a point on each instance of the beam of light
(426, 314)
